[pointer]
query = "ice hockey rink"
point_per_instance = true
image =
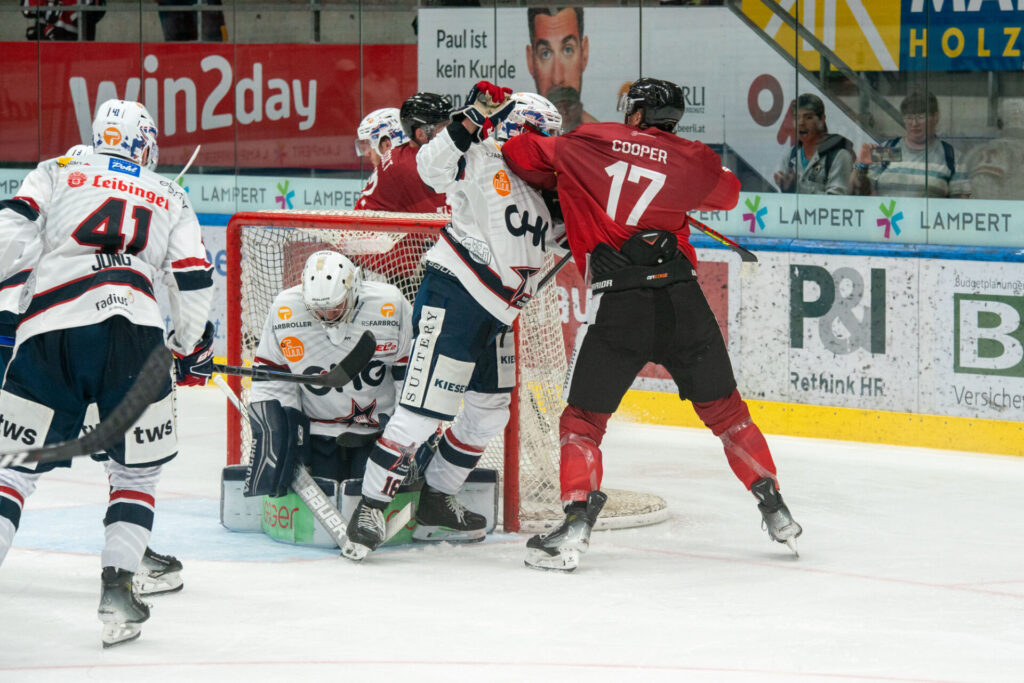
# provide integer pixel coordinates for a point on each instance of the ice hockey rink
(911, 569)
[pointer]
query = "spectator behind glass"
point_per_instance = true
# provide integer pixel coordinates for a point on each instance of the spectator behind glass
(918, 164)
(181, 25)
(51, 22)
(556, 57)
(994, 166)
(820, 162)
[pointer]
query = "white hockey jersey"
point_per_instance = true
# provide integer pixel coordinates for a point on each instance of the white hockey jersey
(501, 229)
(294, 341)
(107, 227)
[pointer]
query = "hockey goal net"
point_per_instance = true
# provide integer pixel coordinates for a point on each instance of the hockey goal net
(266, 252)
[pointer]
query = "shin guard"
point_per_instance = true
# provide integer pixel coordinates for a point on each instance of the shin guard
(745, 446)
(581, 432)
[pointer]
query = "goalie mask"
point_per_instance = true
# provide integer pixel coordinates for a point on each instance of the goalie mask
(377, 125)
(531, 111)
(125, 129)
(661, 101)
(330, 287)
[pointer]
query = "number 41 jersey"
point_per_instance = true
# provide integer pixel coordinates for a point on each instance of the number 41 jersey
(109, 227)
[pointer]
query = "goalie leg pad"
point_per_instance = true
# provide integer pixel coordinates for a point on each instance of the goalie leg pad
(745, 445)
(280, 440)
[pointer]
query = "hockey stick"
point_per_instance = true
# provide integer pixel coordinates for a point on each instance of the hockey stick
(553, 272)
(148, 384)
(188, 164)
(745, 255)
(338, 376)
(307, 489)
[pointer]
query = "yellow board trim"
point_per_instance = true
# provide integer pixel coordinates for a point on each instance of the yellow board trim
(846, 424)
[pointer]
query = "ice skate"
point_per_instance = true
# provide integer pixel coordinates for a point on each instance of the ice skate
(364, 533)
(120, 611)
(776, 518)
(158, 574)
(441, 517)
(560, 549)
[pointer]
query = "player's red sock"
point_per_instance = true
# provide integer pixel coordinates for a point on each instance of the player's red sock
(581, 432)
(745, 446)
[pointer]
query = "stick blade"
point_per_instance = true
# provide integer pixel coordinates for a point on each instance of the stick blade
(361, 354)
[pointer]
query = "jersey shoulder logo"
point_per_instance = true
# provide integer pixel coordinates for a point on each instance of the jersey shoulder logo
(123, 166)
(387, 310)
(76, 179)
(284, 313)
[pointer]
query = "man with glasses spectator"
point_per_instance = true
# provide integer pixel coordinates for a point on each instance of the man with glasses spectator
(919, 164)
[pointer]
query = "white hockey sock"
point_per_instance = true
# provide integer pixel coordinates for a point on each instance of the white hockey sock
(454, 461)
(124, 547)
(6, 537)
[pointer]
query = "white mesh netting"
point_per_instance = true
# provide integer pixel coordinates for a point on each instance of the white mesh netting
(272, 257)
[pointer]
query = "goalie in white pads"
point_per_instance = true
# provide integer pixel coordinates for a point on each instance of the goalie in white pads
(87, 322)
(311, 327)
(478, 277)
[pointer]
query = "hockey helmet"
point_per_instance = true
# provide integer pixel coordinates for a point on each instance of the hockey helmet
(377, 125)
(530, 111)
(79, 151)
(424, 109)
(661, 101)
(125, 129)
(330, 287)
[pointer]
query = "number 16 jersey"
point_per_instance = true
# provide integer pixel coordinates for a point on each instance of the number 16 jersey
(109, 228)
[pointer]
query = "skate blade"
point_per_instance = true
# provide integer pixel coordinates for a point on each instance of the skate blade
(116, 634)
(440, 534)
(354, 551)
(149, 586)
(565, 561)
(791, 544)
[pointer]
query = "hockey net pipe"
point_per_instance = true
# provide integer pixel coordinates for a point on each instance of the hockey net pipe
(266, 252)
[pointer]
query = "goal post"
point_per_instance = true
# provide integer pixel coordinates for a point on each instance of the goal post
(266, 251)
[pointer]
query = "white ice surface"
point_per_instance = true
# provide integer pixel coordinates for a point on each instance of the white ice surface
(911, 568)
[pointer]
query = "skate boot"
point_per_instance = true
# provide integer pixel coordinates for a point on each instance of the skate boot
(441, 517)
(158, 574)
(120, 611)
(560, 549)
(775, 515)
(365, 531)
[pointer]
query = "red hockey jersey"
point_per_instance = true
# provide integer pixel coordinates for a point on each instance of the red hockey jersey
(396, 186)
(614, 180)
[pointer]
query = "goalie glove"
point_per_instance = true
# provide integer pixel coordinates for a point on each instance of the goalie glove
(486, 104)
(196, 367)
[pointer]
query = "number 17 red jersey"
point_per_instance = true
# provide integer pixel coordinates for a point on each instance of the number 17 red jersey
(614, 180)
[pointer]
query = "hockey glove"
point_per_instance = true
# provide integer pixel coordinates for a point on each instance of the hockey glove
(484, 101)
(195, 368)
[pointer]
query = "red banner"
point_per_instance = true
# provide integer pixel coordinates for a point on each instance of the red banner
(267, 106)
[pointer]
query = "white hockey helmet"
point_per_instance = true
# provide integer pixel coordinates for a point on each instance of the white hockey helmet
(377, 125)
(532, 111)
(79, 151)
(125, 129)
(330, 287)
